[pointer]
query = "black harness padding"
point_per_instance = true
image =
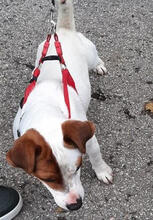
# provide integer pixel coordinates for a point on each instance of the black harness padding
(53, 57)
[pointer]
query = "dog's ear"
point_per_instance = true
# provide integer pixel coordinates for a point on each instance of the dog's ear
(77, 133)
(27, 150)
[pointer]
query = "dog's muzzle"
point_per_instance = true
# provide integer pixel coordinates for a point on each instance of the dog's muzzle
(75, 206)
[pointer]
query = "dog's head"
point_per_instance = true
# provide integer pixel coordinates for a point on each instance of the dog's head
(57, 166)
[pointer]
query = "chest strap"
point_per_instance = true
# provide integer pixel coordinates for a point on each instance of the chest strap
(52, 57)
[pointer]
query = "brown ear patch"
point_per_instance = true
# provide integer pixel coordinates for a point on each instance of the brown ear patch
(77, 133)
(32, 153)
(23, 153)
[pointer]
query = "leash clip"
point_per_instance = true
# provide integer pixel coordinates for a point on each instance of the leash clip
(53, 27)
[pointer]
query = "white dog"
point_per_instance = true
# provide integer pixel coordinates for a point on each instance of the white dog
(51, 145)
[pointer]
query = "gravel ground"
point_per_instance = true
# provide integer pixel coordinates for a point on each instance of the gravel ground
(123, 33)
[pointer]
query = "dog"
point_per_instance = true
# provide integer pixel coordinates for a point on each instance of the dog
(51, 145)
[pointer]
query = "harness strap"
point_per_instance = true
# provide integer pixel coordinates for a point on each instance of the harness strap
(45, 48)
(67, 79)
(36, 72)
(32, 84)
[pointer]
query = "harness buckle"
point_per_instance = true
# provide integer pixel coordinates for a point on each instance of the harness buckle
(63, 66)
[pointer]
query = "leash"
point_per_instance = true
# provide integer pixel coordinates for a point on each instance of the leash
(53, 24)
(67, 79)
(53, 2)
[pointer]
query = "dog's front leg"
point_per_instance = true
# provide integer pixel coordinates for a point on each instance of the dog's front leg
(102, 170)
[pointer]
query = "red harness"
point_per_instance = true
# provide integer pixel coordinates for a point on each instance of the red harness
(67, 79)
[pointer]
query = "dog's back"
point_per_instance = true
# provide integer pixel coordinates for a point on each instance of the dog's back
(77, 53)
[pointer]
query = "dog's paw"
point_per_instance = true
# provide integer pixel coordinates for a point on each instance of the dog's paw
(100, 68)
(105, 175)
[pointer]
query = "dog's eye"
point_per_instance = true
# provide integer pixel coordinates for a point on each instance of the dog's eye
(50, 180)
(78, 168)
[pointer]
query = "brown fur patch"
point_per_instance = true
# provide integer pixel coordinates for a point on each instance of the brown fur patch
(32, 153)
(77, 133)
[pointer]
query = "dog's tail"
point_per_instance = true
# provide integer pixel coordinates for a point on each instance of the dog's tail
(65, 15)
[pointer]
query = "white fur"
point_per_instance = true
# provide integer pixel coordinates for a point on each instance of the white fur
(45, 109)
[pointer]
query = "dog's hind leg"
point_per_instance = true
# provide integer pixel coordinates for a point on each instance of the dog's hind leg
(100, 67)
(98, 64)
(91, 54)
(102, 170)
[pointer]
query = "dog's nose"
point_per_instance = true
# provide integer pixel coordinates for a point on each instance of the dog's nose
(75, 206)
